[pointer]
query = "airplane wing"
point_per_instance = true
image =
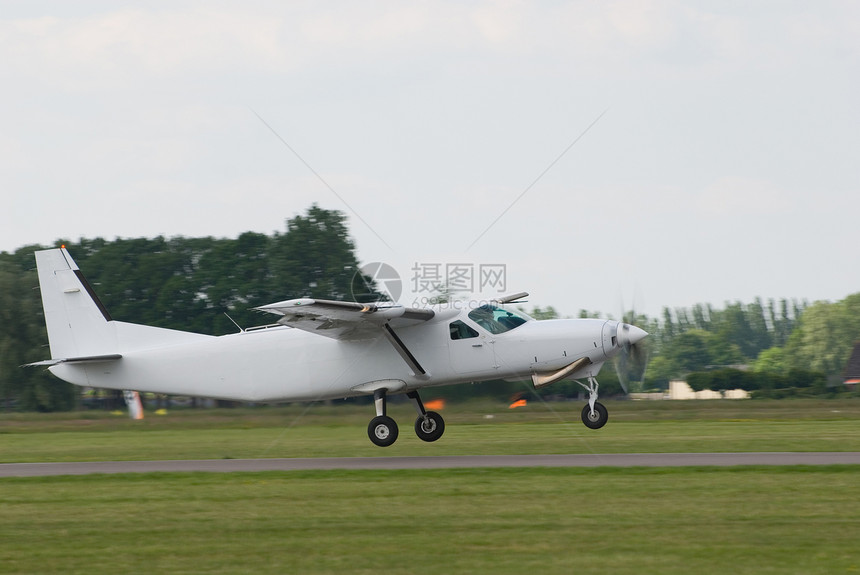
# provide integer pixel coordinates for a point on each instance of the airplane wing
(344, 320)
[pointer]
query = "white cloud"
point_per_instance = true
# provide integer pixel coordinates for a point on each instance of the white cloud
(752, 197)
(126, 48)
(108, 49)
(429, 118)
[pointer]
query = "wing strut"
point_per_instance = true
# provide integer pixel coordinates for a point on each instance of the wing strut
(403, 350)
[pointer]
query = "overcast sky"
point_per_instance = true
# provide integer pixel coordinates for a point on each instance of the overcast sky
(715, 156)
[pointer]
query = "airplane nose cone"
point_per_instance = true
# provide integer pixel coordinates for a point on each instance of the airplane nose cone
(630, 335)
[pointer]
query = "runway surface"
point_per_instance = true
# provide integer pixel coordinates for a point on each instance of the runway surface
(440, 462)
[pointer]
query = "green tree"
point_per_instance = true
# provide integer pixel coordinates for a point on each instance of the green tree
(315, 258)
(22, 340)
(660, 371)
(825, 336)
(690, 351)
(772, 360)
(13, 334)
(548, 312)
(723, 379)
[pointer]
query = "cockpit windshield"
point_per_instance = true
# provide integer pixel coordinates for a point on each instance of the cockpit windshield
(496, 319)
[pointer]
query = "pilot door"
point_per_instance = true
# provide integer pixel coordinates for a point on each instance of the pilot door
(470, 351)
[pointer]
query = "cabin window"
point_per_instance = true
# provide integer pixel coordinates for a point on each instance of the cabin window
(460, 330)
(496, 319)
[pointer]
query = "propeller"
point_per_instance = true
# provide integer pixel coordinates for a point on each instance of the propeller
(633, 358)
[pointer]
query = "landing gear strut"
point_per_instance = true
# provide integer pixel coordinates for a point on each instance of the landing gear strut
(383, 431)
(594, 415)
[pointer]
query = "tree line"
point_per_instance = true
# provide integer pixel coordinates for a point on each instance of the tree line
(190, 284)
(789, 344)
(761, 347)
(193, 284)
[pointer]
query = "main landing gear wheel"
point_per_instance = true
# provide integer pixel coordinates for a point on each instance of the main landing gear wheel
(597, 418)
(430, 426)
(382, 431)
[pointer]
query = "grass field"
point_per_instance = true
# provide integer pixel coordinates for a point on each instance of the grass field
(684, 520)
(472, 428)
(750, 520)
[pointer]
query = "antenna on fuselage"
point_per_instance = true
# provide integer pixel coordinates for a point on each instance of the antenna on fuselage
(234, 323)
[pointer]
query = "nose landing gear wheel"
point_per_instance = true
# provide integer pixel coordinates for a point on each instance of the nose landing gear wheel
(597, 419)
(382, 431)
(430, 426)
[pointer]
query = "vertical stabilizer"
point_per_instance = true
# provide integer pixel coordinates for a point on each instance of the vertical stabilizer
(78, 323)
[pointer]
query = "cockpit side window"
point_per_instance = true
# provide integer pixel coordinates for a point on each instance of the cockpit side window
(460, 330)
(495, 319)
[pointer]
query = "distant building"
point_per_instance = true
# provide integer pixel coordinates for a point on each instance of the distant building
(851, 375)
(681, 390)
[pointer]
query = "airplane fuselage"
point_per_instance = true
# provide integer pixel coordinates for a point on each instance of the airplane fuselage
(284, 364)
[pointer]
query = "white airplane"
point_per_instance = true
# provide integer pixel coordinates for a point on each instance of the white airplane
(322, 349)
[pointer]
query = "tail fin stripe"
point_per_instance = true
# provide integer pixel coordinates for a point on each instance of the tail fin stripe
(93, 295)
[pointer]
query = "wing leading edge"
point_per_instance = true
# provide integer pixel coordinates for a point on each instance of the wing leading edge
(345, 320)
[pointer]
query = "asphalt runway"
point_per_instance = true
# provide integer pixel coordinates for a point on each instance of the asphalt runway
(440, 462)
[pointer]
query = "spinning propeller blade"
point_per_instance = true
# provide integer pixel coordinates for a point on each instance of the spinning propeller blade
(633, 358)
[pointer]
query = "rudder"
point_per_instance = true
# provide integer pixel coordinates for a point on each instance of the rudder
(78, 323)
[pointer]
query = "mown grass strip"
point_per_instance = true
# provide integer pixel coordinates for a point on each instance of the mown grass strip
(340, 440)
(690, 520)
(458, 413)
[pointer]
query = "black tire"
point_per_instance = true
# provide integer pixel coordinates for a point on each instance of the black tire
(382, 431)
(598, 419)
(430, 428)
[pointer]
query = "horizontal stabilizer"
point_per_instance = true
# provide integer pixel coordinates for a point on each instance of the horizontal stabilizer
(87, 359)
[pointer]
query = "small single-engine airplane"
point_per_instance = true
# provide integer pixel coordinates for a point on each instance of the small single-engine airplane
(321, 349)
